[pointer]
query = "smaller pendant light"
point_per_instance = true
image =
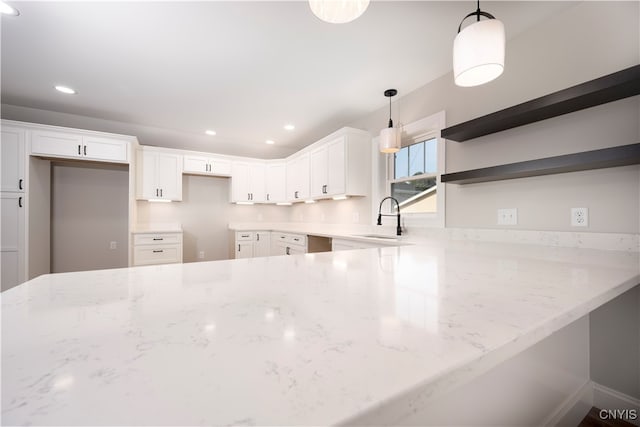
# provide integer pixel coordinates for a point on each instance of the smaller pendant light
(478, 50)
(338, 11)
(390, 138)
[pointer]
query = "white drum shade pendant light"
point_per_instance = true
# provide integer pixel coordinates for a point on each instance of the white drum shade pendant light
(338, 11)
(478, 50)
(390, 138)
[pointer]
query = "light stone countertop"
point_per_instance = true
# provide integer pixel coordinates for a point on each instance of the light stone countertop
(315, 339)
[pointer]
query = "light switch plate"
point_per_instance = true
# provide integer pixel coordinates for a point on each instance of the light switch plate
(508, 216)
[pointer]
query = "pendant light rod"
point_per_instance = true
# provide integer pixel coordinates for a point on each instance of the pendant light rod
(477, 13)
(390, 93)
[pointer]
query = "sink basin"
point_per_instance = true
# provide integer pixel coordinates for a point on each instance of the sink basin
(377, 236)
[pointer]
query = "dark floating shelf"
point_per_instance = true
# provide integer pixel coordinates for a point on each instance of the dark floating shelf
(612, 87)
(605, 158)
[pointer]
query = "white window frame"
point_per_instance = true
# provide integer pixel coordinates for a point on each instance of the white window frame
(418, 131)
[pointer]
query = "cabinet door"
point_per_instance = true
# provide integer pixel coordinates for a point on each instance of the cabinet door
(262, 244)
(218, 166)
(336, 167)
(318, 172)
(298, 178)
(107, 149)
(12, 159)
(257, 187)
(169, 176)
(12, 239)
(196, 164)
(276, 183)
(146, 184)
(244, 249)
(240, 182)
(57, 144)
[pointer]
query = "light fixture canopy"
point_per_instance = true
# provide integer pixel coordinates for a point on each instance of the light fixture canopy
(390, 138)
(478, 50)
(338, 11)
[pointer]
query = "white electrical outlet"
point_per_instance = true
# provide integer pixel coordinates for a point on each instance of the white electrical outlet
(113, 245)
(508, 216)
(580, 217)
(201, 255)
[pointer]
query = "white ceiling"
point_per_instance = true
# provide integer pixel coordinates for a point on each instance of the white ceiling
(243, 69)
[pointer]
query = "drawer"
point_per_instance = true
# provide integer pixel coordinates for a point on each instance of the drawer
(291, 239)
(165, 254)
(157, 239)
(244, 235)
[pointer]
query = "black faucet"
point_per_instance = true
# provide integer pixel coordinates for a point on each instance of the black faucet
(380, 214)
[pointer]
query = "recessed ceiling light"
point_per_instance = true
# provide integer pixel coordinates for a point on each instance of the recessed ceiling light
(270, 142)
(5, 9)
(289, 127)
(65, 89)
(210, 132)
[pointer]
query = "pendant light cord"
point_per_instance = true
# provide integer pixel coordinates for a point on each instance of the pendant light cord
(478, 11)
(390, 121)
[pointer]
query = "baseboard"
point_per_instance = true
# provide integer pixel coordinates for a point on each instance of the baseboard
(607, 398)
(573, 409)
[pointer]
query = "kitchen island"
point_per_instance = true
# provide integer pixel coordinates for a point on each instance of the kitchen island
(352, 337)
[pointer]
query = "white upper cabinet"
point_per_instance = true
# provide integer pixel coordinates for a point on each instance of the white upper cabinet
(158, 175)
(341, 165)
(248, 182)
(298, 178)
(78, 146)
(206, 165)
(276, 183)
(12, 157)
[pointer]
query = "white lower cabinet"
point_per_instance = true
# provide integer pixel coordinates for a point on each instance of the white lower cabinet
(251, 244)
(157, 248)
(288, 244)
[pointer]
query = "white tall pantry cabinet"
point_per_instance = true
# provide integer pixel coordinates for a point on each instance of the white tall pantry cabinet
(12, 205)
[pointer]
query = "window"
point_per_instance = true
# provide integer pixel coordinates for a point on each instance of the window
(413, 174)
(414, 177)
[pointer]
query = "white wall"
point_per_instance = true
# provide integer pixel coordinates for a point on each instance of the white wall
(89, 210)
(585, 41)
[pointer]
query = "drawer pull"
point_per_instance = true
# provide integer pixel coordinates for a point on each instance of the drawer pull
(157, 251)
(78, 149)
(20, 184)
(296, 239)
(85, 150)
(19, 202)
(287, 250)
(244, 235)
(158, 238)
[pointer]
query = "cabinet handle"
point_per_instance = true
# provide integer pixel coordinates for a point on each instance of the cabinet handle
(161, 192)
(19, 202)
(282, 237)
(85, 150)
(20, 184)
(78, 149)
(288, 250)
(156, 251)
(296, 239)
(268, 197)
(295, 195)
(244, 235)
(238, 247)
(157, 192)
(257, 237)
(158, 238)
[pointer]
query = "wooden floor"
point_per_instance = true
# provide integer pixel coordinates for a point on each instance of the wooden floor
(593, 420)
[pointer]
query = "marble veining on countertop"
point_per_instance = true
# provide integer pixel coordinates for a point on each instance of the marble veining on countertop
(315, 339)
